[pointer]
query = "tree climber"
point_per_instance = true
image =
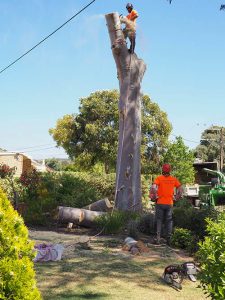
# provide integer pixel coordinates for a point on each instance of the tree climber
(130, 30)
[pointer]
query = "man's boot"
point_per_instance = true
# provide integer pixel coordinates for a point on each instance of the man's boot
(157, 239)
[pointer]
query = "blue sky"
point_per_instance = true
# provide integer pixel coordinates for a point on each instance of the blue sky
(182, 44)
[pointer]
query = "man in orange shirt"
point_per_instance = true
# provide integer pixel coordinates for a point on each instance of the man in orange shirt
(130, 29)
(162, 191)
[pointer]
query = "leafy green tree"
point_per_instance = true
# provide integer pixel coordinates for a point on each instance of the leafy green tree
(209, 147)
(155, 132)
(181, 159)
(53, 163)
(91, 135)
(81, 164)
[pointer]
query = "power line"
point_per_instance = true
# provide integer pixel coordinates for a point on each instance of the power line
(22, 152)
(40, 149)
(85, 7)
(185, 139)
(37, 146)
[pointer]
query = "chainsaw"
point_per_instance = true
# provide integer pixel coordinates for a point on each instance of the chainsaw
(175, 274)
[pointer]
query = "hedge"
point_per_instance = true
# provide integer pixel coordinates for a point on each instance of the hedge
(74, 189)
(17, 276)
(211, 255)
(193, 219)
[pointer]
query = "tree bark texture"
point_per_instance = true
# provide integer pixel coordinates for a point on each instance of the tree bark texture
(100, 205)
(130, 70)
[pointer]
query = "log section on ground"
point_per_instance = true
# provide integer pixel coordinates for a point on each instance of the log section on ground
(101, 205)
(77, 216)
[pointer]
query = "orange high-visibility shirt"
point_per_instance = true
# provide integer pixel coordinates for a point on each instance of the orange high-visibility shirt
(132, 15)
(166, 185)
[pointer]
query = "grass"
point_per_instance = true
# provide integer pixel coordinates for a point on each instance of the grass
(102, 273)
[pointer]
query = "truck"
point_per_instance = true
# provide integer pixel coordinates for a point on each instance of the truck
(209, 189)
(215, 195)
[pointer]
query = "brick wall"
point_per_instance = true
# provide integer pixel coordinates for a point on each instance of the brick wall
(21, 162)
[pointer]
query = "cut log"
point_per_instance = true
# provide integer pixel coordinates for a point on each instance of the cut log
(100, 205)
(89, 217)
(77, 216)
(69, 215)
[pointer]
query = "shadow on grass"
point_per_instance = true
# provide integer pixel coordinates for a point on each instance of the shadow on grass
(84, 272)
(73, 296)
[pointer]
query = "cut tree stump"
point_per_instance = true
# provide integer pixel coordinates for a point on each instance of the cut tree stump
(82, 217)
(103, 205)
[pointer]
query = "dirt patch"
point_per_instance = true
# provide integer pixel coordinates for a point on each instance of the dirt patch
(83, 242)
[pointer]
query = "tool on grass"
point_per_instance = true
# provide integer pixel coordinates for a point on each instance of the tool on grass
(175, 274)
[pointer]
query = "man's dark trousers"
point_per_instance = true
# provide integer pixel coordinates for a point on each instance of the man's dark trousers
(164, 212)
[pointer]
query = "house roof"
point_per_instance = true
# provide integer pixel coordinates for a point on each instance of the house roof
(38, 166)
(14, 153)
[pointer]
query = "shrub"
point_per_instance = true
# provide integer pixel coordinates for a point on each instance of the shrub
(146, 223)
(12, 189)
(17, 277)
(193, 219)
(115, 222)
(42, 193)
(132, 229)
(42, 196)
(211, 256)
(184, 239)
(30, 180)
(7, 178)
(6, 171)
(183, 203)
(75, 190)
(145, 185)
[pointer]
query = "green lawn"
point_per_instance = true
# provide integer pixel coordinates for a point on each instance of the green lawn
(105, 272)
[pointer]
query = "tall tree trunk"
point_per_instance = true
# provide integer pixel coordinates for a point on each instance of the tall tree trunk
(130, 71)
